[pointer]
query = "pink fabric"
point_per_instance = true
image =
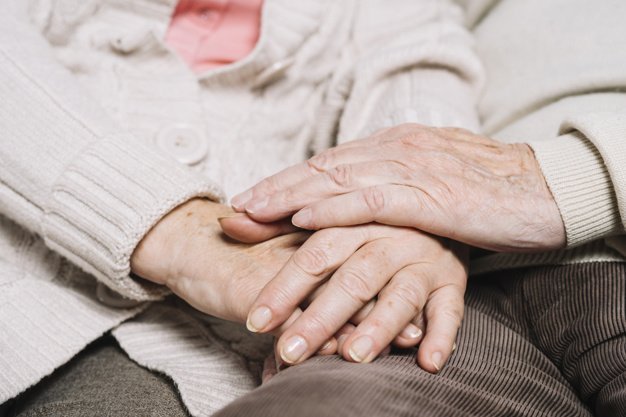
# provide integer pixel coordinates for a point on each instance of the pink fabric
(209, 33)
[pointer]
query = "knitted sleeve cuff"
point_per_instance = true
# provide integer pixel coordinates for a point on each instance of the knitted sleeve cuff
(107, 199)
(581, 185)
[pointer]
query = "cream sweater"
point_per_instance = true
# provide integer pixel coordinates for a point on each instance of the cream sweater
(97, 115)
(556, 80)
(104, 130)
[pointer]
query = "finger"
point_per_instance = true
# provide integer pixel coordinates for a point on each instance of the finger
(348, 152)
(343, 334)
(398, 303)
(444, 313)
(259, 195)
(412, 334)
(269, 369)
(394, 205)
(363, 312)
(329, 348)
(409, 337)
(308, 267)
(341, 179)
(357, 281)
(244, 229)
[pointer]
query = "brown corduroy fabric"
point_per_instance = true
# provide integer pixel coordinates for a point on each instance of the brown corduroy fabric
(546, 341)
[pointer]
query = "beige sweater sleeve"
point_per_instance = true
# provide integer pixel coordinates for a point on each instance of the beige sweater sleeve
(415, 62)
(585, 169)
(68, 173)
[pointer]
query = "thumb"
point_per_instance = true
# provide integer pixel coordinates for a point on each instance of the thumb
(242, 228)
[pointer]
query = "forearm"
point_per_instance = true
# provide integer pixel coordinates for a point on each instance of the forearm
(68, 172)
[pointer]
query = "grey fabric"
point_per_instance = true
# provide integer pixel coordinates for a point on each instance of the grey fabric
(101, 381)
(547, 341)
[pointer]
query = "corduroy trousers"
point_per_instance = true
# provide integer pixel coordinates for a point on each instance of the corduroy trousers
(542, 341)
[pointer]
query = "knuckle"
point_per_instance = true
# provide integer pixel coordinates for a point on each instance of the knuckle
(319, 325)
(320, 163)
(375, 199)
(268, 185)
(313, 260)
(409, 294)
(287, 196)
(355, 284)
(341, 176)
(453, 314)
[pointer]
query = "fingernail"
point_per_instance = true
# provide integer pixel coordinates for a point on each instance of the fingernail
(293, 349)
(412, 332)
(326, 345)
(240, 200)
(259, 319)
(453, 347)
(255, 206)
(230, 216)
(302, 218)
(361, 349)
(437, 360)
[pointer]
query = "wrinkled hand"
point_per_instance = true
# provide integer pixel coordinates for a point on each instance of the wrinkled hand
(187, 252)
(445, 181)
(419, 281)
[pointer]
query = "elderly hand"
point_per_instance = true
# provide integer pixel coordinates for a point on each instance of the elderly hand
(448, 182)
(187, 252)
(417, 278)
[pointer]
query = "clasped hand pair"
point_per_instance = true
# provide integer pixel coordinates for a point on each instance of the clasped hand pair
(392, 215)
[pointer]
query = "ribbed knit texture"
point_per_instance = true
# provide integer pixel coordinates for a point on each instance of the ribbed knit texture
(543, 342)
(581, 185)
(607, 132)
(107, 199)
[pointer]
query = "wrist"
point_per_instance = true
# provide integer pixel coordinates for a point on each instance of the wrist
(155, 256)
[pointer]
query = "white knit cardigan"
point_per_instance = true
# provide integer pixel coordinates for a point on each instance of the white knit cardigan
(91, 102)
(89, 94)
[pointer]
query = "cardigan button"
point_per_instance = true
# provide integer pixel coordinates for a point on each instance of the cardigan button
(112, 299)
(125, 43)
(184, 143)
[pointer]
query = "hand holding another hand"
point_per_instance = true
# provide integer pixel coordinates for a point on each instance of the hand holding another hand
(448, 182)
(187, 252)
(417, 280)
